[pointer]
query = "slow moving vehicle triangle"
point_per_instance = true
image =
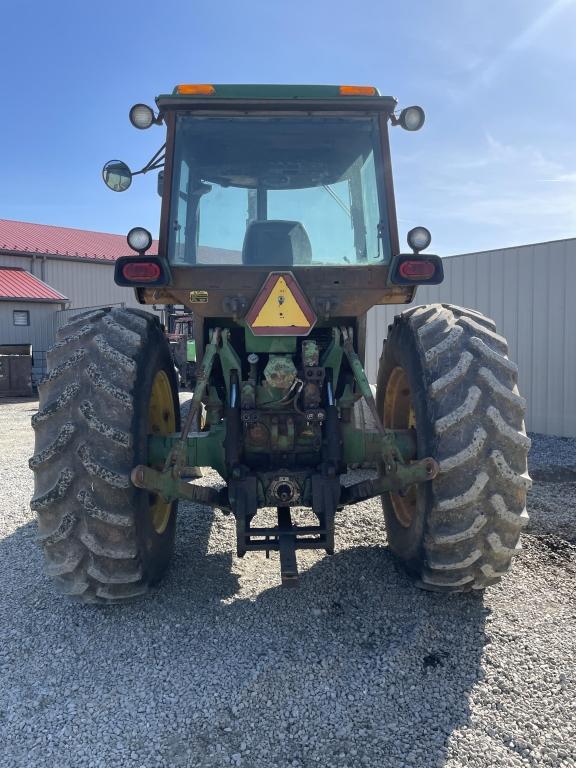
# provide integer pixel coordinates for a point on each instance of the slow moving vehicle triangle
(280, 308)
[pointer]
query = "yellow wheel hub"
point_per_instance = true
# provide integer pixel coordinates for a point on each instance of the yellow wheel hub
(161, 421)
(399, 414)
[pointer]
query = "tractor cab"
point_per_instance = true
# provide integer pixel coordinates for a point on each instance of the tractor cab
(262, 178)
(264, 190)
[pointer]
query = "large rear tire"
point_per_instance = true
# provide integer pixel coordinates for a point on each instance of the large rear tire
(110, 384)
(444, 371)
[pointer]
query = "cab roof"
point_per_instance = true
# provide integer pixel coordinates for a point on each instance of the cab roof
(232, 94)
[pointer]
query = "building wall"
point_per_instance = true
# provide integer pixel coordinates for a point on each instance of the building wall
(38, 333)
(530, 292)
(85, 283)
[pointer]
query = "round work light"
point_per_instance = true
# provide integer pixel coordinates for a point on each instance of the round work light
(139, 239)
(419, 238)
(412, 118)
(142, 116)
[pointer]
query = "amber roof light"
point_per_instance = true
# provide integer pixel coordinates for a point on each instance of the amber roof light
(358, 90)
(195, 90)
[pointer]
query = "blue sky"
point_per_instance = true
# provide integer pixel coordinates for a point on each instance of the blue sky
(495, 164)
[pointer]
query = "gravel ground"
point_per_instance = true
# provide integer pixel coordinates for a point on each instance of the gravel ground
(221, 666)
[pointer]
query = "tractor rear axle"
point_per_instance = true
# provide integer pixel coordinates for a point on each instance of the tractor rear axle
(326, 494)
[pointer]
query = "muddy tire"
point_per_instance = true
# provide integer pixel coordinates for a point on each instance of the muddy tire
(445, 370)
(103, 539)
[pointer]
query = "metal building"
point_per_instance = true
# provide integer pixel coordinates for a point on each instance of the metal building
(25, 302)
(76, 265)
(530, 291)
(75, 262)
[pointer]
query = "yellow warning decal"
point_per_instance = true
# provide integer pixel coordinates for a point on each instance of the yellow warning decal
(280, 310)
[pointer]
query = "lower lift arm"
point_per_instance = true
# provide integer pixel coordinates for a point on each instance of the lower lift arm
(393, 450)
(175, 452)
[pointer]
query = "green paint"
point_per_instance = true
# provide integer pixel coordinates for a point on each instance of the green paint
(177, 456)
(310, 353)
(358, 371)
(267, 396)
(348, 398)
(248, 393)
(269, 344)
(361, 447)
(332, 358)
(202, 450)
(280, 372)
(229, 359)
(207, 450)
(171, 487)
(404, 476)
(214, 407)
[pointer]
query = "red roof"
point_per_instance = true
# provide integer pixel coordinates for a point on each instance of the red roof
(18, 284)
(24, 237)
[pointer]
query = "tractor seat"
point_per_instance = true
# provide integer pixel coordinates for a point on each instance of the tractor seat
(276, 243)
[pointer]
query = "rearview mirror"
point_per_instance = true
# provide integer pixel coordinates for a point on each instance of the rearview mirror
(117, 176)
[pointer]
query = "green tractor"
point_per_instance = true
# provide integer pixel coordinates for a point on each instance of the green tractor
(278, 232)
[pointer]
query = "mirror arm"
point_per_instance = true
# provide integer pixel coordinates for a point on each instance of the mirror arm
(157, 161)
(157, 155)
(149, 167)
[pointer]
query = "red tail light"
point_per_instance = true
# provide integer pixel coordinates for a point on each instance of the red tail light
(417, 269)
(141, 271)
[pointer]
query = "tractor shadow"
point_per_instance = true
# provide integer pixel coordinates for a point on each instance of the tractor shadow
(196, 566)
(355, 658)
(385, 668)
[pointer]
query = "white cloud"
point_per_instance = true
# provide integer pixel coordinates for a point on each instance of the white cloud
(565, 177)
(502, 195)
(497, 154)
